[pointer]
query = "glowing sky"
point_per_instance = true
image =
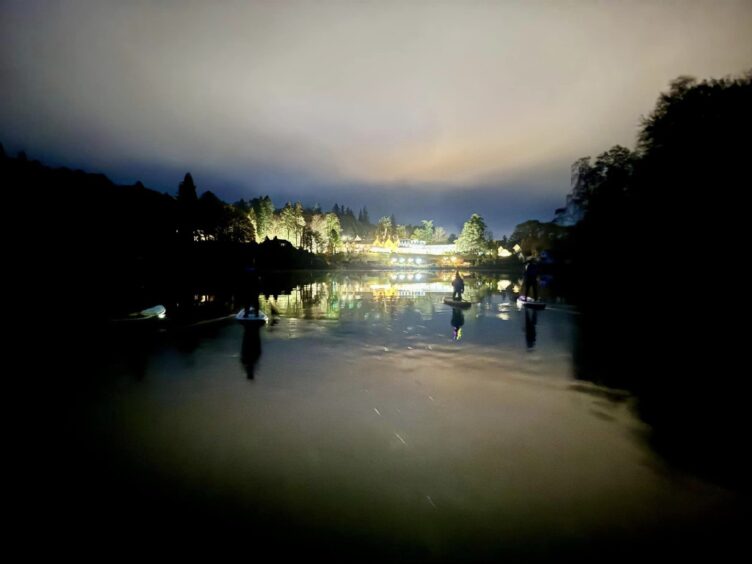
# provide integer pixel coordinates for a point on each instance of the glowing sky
(424, 109)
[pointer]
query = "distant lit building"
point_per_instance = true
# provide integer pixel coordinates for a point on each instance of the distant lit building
(411, 243)
(413, 247)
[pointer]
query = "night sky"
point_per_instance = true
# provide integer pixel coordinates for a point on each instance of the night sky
(421, 109)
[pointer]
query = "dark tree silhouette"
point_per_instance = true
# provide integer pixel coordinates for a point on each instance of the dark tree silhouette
(657, 221)
(187, 209)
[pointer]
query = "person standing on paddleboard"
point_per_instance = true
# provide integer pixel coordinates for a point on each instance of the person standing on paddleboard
(531, 277)
(459, 286)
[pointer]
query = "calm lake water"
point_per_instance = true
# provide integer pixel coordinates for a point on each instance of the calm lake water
(369, 421)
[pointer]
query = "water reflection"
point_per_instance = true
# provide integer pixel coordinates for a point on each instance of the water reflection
(458, 320)
(251, 349)
(404, 303)
(364, 406)
(398, 308)
(362, 295)
(411, 317)
(531, 320)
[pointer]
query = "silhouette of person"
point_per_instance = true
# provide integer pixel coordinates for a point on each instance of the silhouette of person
(531, 320)
(459, 286)
(250, 291)
(250, 350)
(458, 320)
(532, 271)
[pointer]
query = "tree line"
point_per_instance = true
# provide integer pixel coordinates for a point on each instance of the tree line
(677, 193)
(656, 267)
(91, 209)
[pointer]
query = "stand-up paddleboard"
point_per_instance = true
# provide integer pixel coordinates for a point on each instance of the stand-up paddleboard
(457, 303)
(152, 313)
(253, 317)
(158, 311)
(530, 303)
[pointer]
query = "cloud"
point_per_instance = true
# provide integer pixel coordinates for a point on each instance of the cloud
(301, 95)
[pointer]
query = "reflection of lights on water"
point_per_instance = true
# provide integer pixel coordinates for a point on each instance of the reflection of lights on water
(503, 285)
(412, 287)
(503, 316)
(516, 288)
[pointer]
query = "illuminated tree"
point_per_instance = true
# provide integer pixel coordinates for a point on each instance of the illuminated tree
(263, 215)
(299, 220)
(439, 235)
(319, 236)
(306, 239)
(238, 227)
(472, 239)
(401, 232)
(217, 221)
(334, 233)
(292, 221)
(425, 232)
(384, 229)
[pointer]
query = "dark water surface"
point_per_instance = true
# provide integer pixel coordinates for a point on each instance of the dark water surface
(369, 421)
